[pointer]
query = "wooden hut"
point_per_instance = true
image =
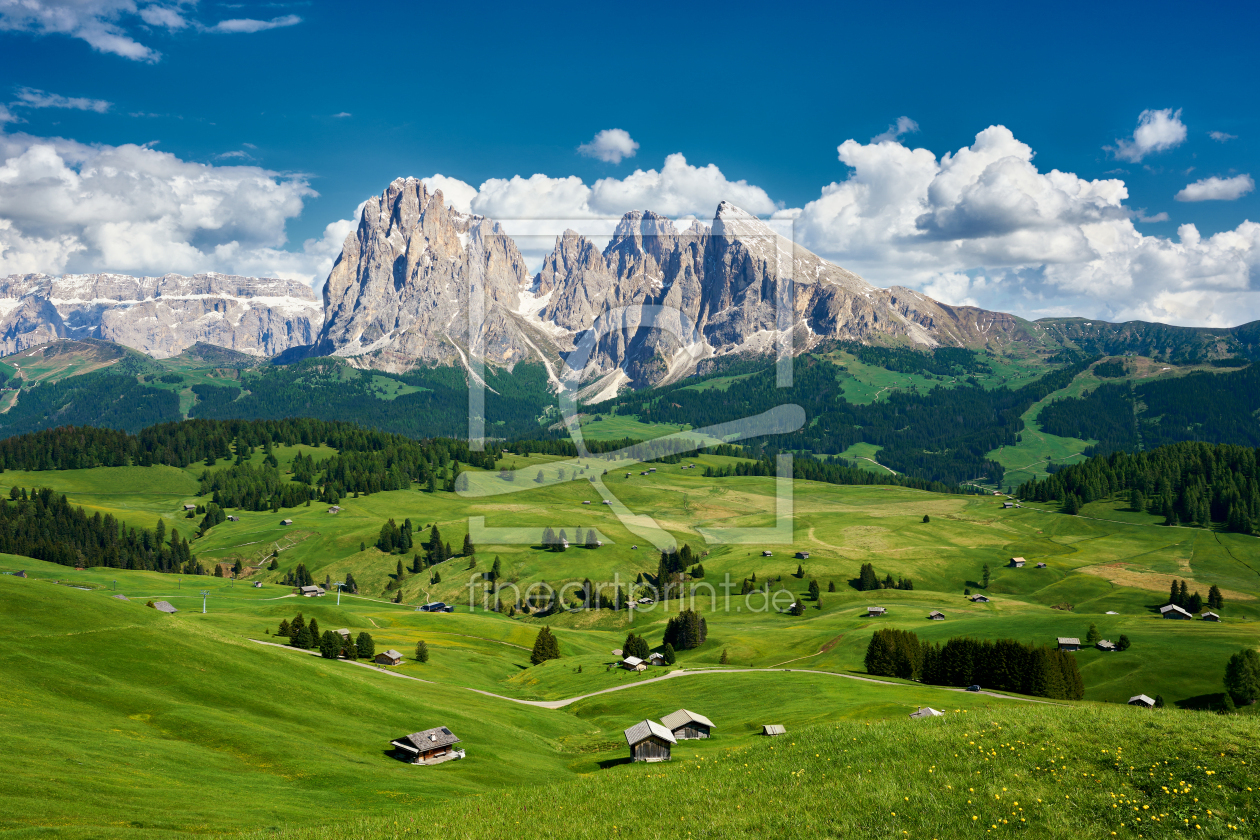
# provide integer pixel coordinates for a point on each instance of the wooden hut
(875, 612)
(1174, 611)
(164, 606)
(633, 663)
(1017, 562)
(687, 726)
(432, 746)
(1210, 616)
(1105, 645)
(936, 615)
(1142, 700)
(979, 599)
(1069, 643)
(389, 657)
(311, 591)
(20, 574)
(649, 741)
(286, 521)
(802, 555)
(773, 729)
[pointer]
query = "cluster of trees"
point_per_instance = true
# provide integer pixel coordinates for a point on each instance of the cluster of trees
(394, 538)
(673, 564)
(868, 581)
(833, 469)
(307, 636)
(545, 647)
(1186, 483)
(636, 646)
(607, 598)
(247, 487)
(435, 551)
(1242, 677)
(1179, 594)
(1004, 665)
(299, 576)
(686, 631)
(943, 361)
(42, 524)
(109, 398)
(1093, 637)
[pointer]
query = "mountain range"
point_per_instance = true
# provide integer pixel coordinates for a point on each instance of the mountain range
(654, 304)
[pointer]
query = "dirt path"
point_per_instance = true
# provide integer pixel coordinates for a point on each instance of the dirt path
(560, 704)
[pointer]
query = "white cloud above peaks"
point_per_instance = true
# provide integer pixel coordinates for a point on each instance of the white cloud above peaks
(1217, 189)
(612, 145)
(1157, 131)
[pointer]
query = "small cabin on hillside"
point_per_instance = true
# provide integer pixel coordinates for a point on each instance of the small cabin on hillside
(767, 554)
(1142, 700)
(286, 521)
(389, 657)
(1007, 505)
(436, 606)
(802, 555)
(1069, 643)
(1017, 562)
(687, 726)
(633, 663)
(649, 741)
(190, 507)
(936, 615)
(772, 730)
(20, 574)
(875, 612)
(232, 518)
(1174, 611)
(432, 746)
(311, 591)
(1105, 645)
(164, 606)
(979, 599)
(1210, 616)
(1041, 565)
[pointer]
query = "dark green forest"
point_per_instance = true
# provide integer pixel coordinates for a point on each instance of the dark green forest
(941, 435)
(1186, 483)
(43, 525)
(1202, 406)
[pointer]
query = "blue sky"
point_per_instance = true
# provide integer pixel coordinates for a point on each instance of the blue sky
(330, 101)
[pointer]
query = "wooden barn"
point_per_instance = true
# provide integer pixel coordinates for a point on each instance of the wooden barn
(164, 606)
(1017, 562)
(1069, 643)
(936, 615)
(432, 746)
(875, 612)
(1174, 611)
(687, 726)
(649, 741)
(389, 657)
(1142, 700)
(979, 599)
(1210, 616)
(773, 729)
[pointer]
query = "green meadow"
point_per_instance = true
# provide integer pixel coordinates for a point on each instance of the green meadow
(227, 735)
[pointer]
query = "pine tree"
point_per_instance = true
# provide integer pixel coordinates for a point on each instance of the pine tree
(1242, 676)
(1174, 595)
(1195, 604)
(831, 586)
(468, 546)
(800, 572)
(303, 639)
(496, 571)
(814, 590)
(366, 646)
(927, 518)
(329, 645)
(284, 627)
(1123, 642)
(1183, 597)
(1093, 636)
(670, 655)
(422, 651)
(398, 571)
(1215, 601)
(725, 660)
(545, 647)
(798, 608)
(315, 634)
(985, 576)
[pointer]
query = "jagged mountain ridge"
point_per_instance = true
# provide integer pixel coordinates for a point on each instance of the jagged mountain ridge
(159, 316)
(661, 300)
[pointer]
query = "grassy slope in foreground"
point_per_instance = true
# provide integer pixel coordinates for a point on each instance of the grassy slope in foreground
(1046, 771)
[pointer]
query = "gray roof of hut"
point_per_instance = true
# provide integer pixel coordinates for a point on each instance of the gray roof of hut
(1141, 698)
(430, 739)
(682, 717)
(392, 654)
(773, 729)
(926, 711)
(1069, 640)
(645, 729)
(164, 606)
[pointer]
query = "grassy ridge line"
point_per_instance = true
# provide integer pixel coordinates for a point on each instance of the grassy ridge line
(1082, 772)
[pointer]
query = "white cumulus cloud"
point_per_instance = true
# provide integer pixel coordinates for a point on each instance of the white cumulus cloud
(32, 98)
(984, 225)
(612, 145)
(1157, 131)
(66, 206)
(1217, 189)
(1222, 137)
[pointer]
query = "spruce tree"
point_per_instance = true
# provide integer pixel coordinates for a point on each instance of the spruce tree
(1174, 595)
(1183, 597)
(469, 550)
(329, 645)
(725, 660)
(670, 655)
(927, 518)
(315, 634)
(814, 590)
(985, 576)
(1123, 642)
(1093, 636)
(303, 639)
(365, 645)
(831, 586)
(1215, 601)
(545, 647)
(496, 571)
(422, 651)
(1242, 676)
(284, 627)
(1195, 603)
